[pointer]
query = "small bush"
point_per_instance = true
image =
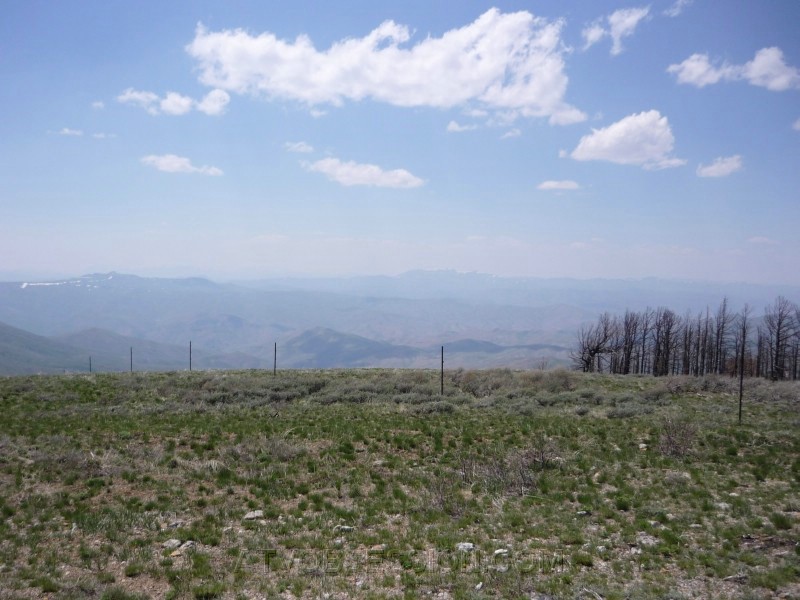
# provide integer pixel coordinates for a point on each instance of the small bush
(628, 411)
(677, 437)
(117, 593)
(781, 521)
(438, 407)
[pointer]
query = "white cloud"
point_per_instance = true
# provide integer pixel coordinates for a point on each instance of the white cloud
(145, 100)
(500, 62)
(103, 136)
(72, 132)
(619, 24)
(454, 127)
(796, 125)
(676, 9)
(298, 147)
(697, 70)
(767, 69)
(352, 173)
(623, 23)
(214, 103)
(593, 34)
(721, 167)
(175, 104)
(565, 184)
(476, 113)
(762, 241)
(511, 133)
(171, 163)
(643, 139)
(98, 105)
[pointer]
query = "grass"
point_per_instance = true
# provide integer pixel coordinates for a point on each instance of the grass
(372, 485)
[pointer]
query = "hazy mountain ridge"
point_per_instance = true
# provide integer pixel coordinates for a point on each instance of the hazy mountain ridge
(402, 321)
(614, 295)
(228, 318)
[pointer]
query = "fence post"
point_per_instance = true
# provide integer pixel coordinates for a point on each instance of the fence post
(442, 376)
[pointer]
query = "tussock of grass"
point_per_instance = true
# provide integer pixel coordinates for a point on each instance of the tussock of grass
(368, 482)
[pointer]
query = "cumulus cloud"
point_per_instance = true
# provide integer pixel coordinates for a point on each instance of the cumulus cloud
(501, 62)
(643, 139)
(619, 24)
(721, 167)
(352, 173)
(71, 132)
(146, 100)
(768, 69)
(175, 104)
(565, 184)
(677, 9)
(298, 147)
(98, 105)
(171, 163)
(213, 103)
(511, 133)
(697, 70)
(454, 127)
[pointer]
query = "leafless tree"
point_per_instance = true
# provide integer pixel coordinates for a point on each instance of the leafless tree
(780, 327)
(721, 325)
(645, 325)
(741, 341)
(664, 340)
(594, 341)
(630, 327)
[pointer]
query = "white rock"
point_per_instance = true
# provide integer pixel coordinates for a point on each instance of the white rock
(171, 544)
(645, 539)
(465, 546)
(254, 514)
(501, 552)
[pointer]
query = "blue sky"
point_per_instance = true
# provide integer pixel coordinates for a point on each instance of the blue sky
(248, 139)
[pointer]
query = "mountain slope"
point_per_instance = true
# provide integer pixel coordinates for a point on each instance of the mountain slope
(112, 352)
(22, 352)
(325, 348)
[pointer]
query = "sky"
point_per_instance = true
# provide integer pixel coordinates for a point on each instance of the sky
(579, 138)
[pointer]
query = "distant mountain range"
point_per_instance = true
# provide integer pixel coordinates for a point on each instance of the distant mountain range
(483, 321)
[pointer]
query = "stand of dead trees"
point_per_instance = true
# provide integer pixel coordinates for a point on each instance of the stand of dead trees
(660, 342)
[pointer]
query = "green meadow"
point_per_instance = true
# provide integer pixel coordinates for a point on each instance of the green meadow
(372, 484)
